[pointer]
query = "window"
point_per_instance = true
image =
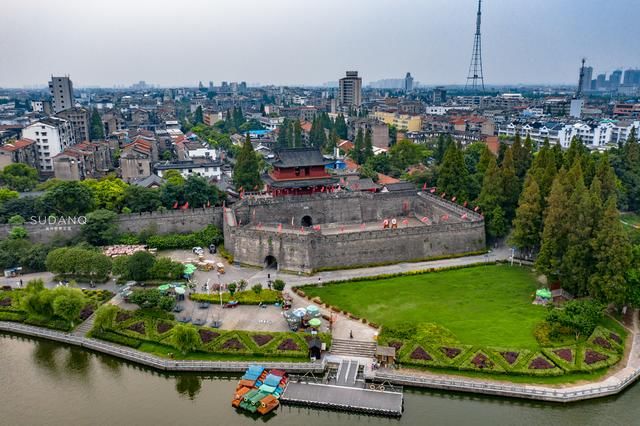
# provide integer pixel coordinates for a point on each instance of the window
(297, 170)
(43, 133)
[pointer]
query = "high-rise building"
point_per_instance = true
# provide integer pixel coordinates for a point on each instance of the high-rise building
(586, 79)
(614, 79)
(439, 95)
(601, 82)
(79, 119)
(52, 136)
(408, 82)
(631, 77)
(350, 92)
(61, 90)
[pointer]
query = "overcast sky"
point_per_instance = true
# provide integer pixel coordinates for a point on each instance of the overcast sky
(310, 42)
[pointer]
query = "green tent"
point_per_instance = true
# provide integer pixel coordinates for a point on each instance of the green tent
(164, 287)
(189, 269)
(544, 293)
(315, 322)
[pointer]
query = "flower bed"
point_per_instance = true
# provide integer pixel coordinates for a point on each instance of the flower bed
(540, 363)
(262, 339)
(510, 356)
(613, 336)
(162, 327)
(420, 354)
(122, 316)
(592, 357)
(602, 342)
(395, 344)
(207, 336)
(481, 361)
(138, 327)
(564, 354)
(86, 312)
(288, 345)
(6, 301)
(450, 353)
(233, 344)
(248, 297)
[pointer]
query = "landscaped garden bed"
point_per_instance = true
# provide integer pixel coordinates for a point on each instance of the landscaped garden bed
(150, 328)
(248, 297)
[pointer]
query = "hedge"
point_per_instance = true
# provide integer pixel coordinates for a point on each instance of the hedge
(120, 333)
(203, 238)
(12, 316)
(248, 297)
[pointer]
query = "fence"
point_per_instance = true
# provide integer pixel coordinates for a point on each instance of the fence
(153, 361)
(537, 393)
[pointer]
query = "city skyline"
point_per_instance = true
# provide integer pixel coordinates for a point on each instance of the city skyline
(168, 47)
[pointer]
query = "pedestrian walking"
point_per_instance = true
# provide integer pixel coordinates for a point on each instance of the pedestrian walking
(350, 334)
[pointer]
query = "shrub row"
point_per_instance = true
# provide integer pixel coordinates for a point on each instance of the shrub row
(209, 235)
(248, 297)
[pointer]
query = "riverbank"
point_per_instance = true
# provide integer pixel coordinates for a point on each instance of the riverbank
(610, 386)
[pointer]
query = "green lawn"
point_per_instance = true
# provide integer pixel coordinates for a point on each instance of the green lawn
(484, 305)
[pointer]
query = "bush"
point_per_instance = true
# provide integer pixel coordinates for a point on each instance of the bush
(119, 339)
(242, 297)
(209, 235)
(278, 285)
(256, 288)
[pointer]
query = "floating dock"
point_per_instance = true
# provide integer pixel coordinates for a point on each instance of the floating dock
(344, 398)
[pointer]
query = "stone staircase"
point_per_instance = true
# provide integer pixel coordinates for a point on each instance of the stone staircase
(85, 327)
(355, 348)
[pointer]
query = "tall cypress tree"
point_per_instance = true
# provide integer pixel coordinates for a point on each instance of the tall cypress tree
(511, 185)
(96, 130)
(297, 134)
(490, 201)
(527, 225)
(367, 150)
(358, 146)
(341, 126)
(282, 134)
(246, 174)
(612, 255)
(556, 228)
(453, 176)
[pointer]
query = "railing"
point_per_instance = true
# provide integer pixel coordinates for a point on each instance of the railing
(558, 395)
(150, 360)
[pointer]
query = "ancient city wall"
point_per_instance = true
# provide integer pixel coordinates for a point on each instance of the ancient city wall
(175, 221)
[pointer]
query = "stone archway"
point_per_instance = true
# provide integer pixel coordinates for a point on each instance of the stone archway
(270, 262)
(306, 221)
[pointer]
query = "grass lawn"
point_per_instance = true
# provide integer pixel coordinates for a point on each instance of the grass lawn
(484, 305)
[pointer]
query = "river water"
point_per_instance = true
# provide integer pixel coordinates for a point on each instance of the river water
(46, 383)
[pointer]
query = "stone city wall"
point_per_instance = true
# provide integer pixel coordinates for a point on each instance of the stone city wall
(175, 221)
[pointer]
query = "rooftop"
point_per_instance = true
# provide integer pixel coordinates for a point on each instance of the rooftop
(299, 157)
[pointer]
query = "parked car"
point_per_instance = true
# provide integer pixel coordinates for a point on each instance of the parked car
(198, 251)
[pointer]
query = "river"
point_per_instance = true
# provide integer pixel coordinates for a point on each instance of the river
(46, 383)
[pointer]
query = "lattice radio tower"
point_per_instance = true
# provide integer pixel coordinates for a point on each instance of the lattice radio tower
(475, 80)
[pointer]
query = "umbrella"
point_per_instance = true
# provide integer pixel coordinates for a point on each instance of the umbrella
(544, 293)
(300, 312)
(164, 287)
(179, 290)
(312, 309)
(315, 322)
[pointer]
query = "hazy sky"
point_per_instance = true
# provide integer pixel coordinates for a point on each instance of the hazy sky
(310, 42)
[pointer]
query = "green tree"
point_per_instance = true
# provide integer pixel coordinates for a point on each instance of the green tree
(185, 338)
(527, 225)
(108, 193)
(141, 199)
(358, 146)
(7, 194)
(367, 149)
(18, 233)
(522, 156)
(19, 177)
(453, 177)
(139, 265)
(256, 288)
(198, 192)
(442, 145)
(581, 316)
(100, 228)
(403, 155)
(96, 127)
(69, 305)
(246, 174)
(511, 185)
(198, 117)
(490, 201)
(166, 269)
(612, 254)
(68, 199)
(556, 228)
(104, 318)
(297, 134)
(278, 285)
(341, 126)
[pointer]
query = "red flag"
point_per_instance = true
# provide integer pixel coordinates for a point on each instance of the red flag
(186, 206)
(445, 217)
(316, 228)
(433, 190)
(322, 189)
(175, 205)
(425, 219)
(465, 204)
(405, 222)
(444, 194)
(464, 216)
(453, 198)
(208, 203)
(279, 228)
(424, 187)
(476, 208)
